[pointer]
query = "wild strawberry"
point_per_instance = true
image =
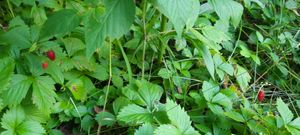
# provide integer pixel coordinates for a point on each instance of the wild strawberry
(45, 65)
(51, 55)
(261, 95)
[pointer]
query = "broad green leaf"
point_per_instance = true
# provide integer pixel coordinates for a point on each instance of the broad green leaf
(118, 17)
(167, 130)
(55, 72)
(149, 92)
(165, 73)
(73, 45)
(64, 21)
(30, 128)
(213, 34)
(13, 118)
(119, 103)
(43, 94)
(243, 78)
(295, 123)
(179, 12)
(17, 89)
(180, 118)
(215, 108)
(134, 114)
(79, 111)
(235, 116)
(209, 90)
(116, 21)
(105, 118)
(80, 87)
(293, 130)
(83, 64)
(257, 127)
(117, 81)
(204, 40)
(7, 66)
(223, 100)
(228, 10)
(100, 73)
(208, 60)
(220, 64)
(34, 114)
(87, 122)
(18, 36)
(145, 129)
(284, 111)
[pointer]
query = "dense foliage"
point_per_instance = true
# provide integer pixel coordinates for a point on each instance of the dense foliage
(143, 67)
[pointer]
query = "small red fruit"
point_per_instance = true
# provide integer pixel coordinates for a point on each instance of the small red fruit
(45, 65)
(261, 95)
(51, 55)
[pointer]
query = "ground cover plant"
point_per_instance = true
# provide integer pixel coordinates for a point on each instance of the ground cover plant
(144, 67)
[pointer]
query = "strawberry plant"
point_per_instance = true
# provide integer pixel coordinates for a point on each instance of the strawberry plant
(143, 67)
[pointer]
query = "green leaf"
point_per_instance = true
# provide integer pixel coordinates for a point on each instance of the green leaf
(164, 73)
(179, 118)
(119, 17)
(295, 123)
(87, 122)
(149, 92)
(80, 87)
(179, 12)
(73, 45)
(208, 60)
(209, 90)
(235, 116)
(55, 72)
(18, 36)
(215, 108)
(7, 66)
(119, 103)
(64, 21)
(223, 100)
(116, 21)
(100, 73)
(213, 34)
(293, 130)
(105, 118)
(167, 130)
(14, 121)
(117, 81)
(12, 118)
(43, 94)
(257, 127)
(284, 111)
(243, 78)
(145, 129)
(31, 128)
(228, 10)
(259, 37)
(205, 41)
(134, 114)
(17, 90)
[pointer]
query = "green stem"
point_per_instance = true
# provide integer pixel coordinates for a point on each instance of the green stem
(163, 24)
(108, 85)
(126, 61)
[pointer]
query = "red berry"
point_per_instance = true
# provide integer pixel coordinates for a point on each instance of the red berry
(45, 65)
(51, 55)
(261, 95)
